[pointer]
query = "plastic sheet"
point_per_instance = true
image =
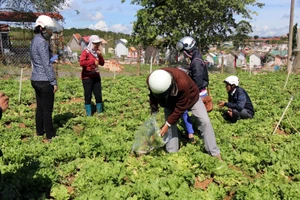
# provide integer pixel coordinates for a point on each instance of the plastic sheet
(147, 137)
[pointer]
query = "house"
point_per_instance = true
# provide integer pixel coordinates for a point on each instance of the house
(78, 43)
(5, 45)
(132, 52)
(121, 48)
(212, 59)
(111, 50)
(254, 61)
(221, 59)
(234, 57)
(241, 61)
(280, 57)
(74, 42)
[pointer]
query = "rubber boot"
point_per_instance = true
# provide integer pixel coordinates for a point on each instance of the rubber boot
(88, 109)
(99, 107)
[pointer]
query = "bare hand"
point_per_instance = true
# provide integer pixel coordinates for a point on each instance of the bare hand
(96, 63)
(221, 103)
(164, 129)
(55, 88)
(229, 112)
(4, 101)
(98, 51)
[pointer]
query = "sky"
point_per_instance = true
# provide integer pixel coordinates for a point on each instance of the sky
(112, 15)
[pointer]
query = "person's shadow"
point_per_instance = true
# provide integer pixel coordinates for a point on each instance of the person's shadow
(60, 120)
(25, 183)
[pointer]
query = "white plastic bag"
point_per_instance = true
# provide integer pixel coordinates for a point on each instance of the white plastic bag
(147, 137)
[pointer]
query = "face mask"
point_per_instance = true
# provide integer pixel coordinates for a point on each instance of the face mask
(187, 54)
(46, 34)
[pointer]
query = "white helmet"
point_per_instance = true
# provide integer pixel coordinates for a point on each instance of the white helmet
(186, 43)
(47, 22)
(232, 80)
(159, 81)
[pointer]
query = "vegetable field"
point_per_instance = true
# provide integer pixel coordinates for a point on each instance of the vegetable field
(91, 156)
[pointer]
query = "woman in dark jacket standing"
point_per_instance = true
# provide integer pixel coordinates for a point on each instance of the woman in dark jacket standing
(90, 58)
(43, 78)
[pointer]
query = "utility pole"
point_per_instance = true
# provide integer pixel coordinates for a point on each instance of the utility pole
(289, 67)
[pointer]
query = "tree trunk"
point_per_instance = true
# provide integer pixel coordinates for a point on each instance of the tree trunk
(138, 66)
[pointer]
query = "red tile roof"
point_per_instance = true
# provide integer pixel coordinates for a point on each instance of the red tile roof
(4, 28)
(26, 16)
(77, 36)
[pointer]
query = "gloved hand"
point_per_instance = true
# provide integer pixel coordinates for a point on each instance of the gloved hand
(54, 58)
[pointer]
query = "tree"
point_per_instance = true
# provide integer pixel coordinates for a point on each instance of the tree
(255, 37)
(294, 41)
(208, 21)
(31, 6)
(242, 30)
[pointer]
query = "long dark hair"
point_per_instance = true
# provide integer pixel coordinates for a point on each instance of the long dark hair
(37, 29)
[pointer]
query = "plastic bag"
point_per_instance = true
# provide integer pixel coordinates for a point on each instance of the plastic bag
(147, 137)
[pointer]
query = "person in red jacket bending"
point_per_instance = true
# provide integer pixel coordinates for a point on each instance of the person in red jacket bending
(90, 59)
(176, 92)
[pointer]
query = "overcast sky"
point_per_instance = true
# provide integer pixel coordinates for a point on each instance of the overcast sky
(112, 15)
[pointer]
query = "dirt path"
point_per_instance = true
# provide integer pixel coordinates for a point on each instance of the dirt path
(63, 74)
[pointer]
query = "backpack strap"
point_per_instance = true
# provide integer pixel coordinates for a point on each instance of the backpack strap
(199, 60)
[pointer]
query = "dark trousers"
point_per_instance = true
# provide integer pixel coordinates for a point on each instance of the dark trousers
(92, 86)
(44, 108)
(236, 115)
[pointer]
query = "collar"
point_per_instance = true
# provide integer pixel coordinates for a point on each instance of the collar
(232, 93)
(174, 89)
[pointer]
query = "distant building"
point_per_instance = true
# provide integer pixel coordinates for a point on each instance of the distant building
(78, 43)
(121, 48)
(5, 45)
(254, 61)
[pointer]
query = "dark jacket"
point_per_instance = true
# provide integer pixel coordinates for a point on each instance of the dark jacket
(239, 100)
(183, 95)
(198, 71)
(0, 112)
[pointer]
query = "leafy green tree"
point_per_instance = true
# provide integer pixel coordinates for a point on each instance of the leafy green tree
(294, 41)
(243, 29)
(255, 37)
(33, 5)
(208, 21)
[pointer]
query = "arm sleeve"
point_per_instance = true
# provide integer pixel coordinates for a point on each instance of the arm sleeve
(197, 72)
(45, 58)
(84, 61)
(101, 60)
(180, 107)
(240, 103)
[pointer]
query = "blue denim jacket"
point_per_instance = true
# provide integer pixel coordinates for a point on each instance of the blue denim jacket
(40, 54)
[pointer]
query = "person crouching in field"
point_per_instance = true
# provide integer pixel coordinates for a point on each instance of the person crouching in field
(239, 103)
(90, 58)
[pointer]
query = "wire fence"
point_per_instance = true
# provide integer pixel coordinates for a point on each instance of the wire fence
(16, 52)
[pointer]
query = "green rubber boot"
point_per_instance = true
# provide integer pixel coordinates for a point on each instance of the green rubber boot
(88, 109)
(99, 107)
